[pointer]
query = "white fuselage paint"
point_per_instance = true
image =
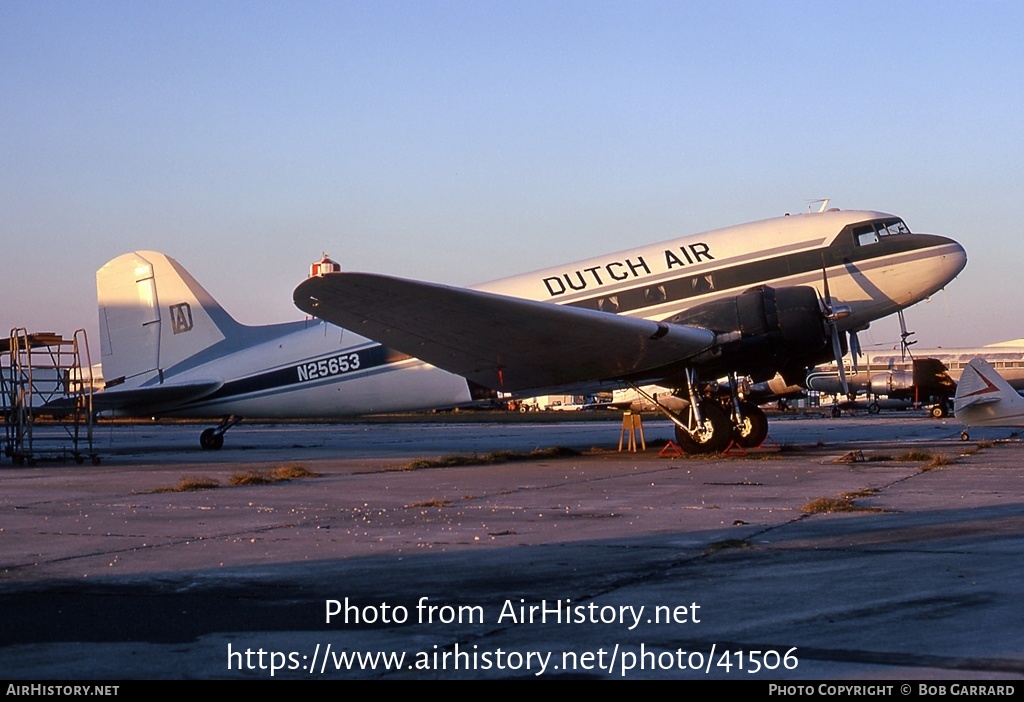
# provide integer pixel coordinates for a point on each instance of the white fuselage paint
(876, 289)
(397, 386)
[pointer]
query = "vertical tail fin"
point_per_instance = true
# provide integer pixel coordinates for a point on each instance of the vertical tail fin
(984, 397)
(153, 315)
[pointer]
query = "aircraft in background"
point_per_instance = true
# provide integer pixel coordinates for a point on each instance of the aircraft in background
(985, 399)
(751, 301)
(919, 381)
(929, 376)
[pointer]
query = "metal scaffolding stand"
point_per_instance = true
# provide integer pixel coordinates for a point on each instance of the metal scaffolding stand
(46, 397)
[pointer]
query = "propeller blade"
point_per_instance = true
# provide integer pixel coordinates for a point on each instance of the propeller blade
(824, 278)
(855, 350)
(831, 315)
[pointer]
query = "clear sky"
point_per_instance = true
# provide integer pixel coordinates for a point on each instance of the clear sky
(461, 141)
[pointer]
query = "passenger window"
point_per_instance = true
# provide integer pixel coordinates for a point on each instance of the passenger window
(654, 294)
(702, 284)
(608, 304)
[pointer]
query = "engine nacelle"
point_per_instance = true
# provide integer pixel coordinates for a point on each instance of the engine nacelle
(892, 382)
(768, 330)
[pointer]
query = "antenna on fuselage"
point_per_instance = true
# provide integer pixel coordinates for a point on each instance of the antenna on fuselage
(824, 203)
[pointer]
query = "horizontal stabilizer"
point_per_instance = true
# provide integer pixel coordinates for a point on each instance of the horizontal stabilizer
(500, 342)
(153, 399)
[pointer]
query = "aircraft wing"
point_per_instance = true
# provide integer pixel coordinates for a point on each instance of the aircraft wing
(505, 343)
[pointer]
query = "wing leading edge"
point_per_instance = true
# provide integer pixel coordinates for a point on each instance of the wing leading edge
(500, 342)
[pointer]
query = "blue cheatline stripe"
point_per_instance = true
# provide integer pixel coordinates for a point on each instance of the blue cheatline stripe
(373, 357)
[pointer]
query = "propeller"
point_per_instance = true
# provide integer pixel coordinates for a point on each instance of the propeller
(833, 313)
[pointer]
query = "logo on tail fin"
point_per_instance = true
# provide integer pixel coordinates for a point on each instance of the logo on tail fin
(181, 317)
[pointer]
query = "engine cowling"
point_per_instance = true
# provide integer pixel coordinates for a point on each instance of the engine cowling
(892, 382)
(766, 330)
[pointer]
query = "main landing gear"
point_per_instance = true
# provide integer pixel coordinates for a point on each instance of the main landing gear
(715, 429)
(707, 430)
(212, 438)
(710, 426)
(750, 426)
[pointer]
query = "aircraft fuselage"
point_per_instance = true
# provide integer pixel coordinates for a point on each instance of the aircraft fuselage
(873, 265)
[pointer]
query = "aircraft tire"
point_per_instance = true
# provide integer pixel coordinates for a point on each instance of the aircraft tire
(874, 408)
(715, 436)
(939, 412)
(752, 432)
(210, 440)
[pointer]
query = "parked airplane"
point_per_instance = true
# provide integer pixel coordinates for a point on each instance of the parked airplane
(920, 380)
(1006, 356)
(985, 399)
(778, 295)
(928, 377)
(749, 300)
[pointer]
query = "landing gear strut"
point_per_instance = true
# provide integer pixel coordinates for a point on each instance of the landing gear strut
(212, 438)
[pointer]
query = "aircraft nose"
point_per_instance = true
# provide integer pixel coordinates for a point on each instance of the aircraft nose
(955, 257)
(948, 260)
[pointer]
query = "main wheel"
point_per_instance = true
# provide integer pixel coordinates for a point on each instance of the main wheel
(753, 430)
(210, 440)
(712, 436)
(874, 408)
(939, 411)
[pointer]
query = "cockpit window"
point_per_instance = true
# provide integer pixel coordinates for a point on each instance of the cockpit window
(891, 227)
(865, 234)
(870, 232)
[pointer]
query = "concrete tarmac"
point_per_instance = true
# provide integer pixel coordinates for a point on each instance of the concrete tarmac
(874, 548)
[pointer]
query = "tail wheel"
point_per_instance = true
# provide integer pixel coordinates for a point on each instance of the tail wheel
(753, 430)
(712, 436)
(211, 440)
